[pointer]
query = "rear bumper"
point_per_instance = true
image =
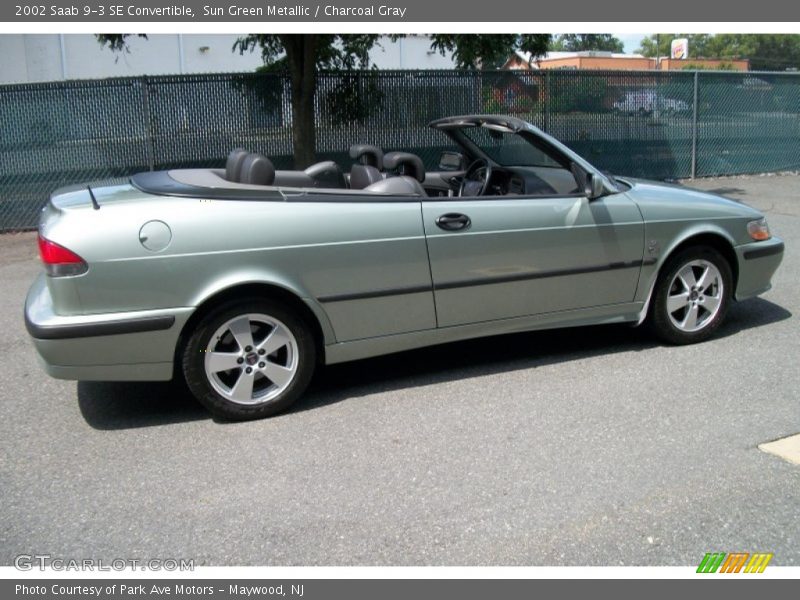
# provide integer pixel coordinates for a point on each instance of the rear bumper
(128, 346)
(758, 262)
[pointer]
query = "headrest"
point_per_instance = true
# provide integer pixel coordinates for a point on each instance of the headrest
(367, 155)
(233, 166)
(257, 169)
(406, 163)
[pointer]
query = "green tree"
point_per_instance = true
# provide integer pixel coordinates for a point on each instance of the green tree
(579, 42)
(766, 52)
(487, 51)
(302, 56)
(659, 44)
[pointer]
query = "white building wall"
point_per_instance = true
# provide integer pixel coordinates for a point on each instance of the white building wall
(28, 58)
(412, 52)
(13, 67)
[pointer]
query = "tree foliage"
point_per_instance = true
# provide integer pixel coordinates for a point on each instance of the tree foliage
(766, 52)
(117, 42)
(580, 42)
(487, 51)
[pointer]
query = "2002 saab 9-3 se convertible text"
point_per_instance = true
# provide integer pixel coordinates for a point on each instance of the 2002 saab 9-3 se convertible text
(241, 280)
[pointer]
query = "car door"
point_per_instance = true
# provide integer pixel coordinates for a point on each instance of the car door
(512, 256)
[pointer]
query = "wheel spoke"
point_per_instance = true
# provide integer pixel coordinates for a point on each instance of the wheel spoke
(707, 278)
(690, 320)
(677, 302)
(277, 374)
(276, 340)
(710, 303)
(222, 361)
(686, 275)
(242, 391)
(240, 329)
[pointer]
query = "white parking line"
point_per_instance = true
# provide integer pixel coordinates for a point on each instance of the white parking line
(787, 448)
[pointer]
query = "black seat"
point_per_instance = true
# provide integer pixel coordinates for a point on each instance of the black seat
(326, 174)
(362, 176)
(233, 166)
(403, 185)
(367, 170)
(405, 163)
(257, 169)
(365, 154)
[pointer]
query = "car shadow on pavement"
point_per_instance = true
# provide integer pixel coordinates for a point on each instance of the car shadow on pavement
(506, 353)
(113, 405)
(130, 405)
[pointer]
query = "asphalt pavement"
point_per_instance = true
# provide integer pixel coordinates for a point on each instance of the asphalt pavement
(594, 446)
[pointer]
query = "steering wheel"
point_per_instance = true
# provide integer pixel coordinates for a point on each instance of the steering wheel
(476, 179)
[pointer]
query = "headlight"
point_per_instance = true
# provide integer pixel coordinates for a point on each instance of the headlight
(759, 230)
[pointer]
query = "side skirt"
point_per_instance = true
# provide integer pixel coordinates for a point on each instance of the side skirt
(597, 315)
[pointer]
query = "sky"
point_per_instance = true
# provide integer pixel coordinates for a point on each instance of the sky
(631, 41)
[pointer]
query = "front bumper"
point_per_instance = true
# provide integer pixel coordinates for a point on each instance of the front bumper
(128, 346)
(758, 262)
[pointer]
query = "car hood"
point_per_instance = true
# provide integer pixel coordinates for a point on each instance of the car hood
(667, 200)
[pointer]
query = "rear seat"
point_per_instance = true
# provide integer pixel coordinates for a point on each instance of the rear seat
(406, 175)
(253, 168)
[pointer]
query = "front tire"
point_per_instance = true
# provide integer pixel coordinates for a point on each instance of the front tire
(249, 359)
(691, 296)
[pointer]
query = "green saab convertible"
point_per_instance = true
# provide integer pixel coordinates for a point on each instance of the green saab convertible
(241, 280)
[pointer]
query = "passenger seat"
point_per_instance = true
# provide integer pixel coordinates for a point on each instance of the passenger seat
(367, 170)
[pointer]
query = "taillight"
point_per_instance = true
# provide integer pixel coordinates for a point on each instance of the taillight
(59, 261)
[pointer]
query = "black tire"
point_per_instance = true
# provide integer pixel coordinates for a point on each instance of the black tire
(659, 317)
(199, 382)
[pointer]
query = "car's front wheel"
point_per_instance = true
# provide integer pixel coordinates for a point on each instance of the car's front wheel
(691, 296)
(249, 359)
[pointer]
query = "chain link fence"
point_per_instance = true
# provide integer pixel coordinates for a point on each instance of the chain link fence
(661, 125)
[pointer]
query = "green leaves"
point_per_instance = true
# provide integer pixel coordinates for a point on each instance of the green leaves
(580, 42)
(487, 51)
(766, 52)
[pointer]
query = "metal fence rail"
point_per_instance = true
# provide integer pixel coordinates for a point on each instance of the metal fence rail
(646, 124)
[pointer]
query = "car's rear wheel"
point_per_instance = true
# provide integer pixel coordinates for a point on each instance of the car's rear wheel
(691, 296)
(249, 359)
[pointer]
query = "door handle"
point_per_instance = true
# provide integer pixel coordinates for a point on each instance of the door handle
(453, 221)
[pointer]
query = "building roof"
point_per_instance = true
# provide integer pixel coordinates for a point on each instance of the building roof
(528, 57)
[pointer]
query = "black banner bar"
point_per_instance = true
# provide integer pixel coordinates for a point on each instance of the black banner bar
(732, 587)
(399, 11)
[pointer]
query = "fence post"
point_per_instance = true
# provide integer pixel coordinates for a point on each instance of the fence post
(547, 100)
(148, 124)
(694, 127)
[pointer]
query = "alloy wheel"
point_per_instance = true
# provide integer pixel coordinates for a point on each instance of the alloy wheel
(251, 359)
(695, 296)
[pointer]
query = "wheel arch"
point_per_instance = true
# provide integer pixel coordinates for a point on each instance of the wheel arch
(308, 310)
(717, 239)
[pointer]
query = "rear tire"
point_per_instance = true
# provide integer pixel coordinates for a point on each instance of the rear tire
(691, 296)
(249, 359)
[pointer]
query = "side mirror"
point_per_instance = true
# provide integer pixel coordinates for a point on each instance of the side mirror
(452, 161)
(594, 187)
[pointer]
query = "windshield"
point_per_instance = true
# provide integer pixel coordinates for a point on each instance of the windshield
(508, 149)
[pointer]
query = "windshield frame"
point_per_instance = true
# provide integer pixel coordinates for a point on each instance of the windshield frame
(564, 156)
